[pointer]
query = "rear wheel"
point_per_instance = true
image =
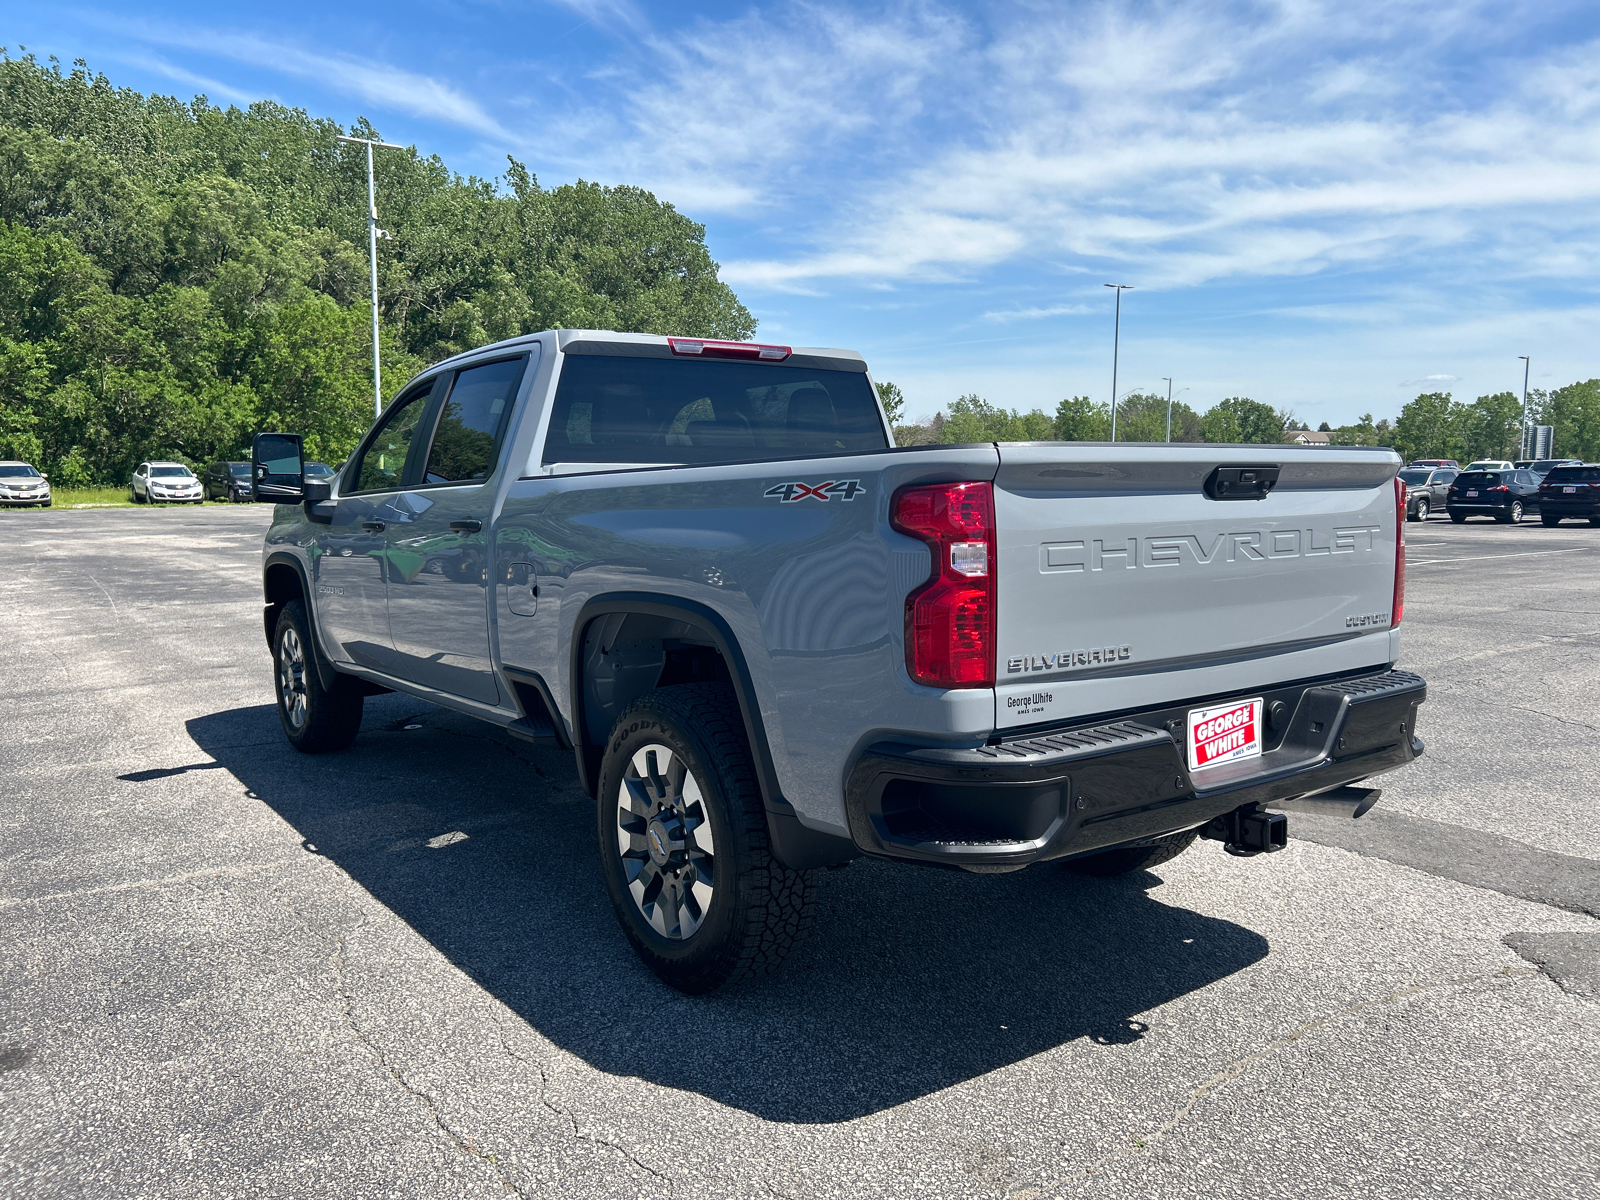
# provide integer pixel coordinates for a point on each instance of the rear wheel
(1514, 517)
(683, 843)
(1595, 521)
(1549, 520)
(1420, 513)
(1133, 858)
(315, 719)
(1458, 518)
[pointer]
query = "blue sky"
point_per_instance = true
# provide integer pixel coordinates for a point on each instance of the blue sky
(1326, 206)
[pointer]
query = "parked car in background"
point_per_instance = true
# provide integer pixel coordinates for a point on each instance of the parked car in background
(319, 472)
(1570, 491)
(22, 485)
(166, 483)
(1543, 466)
(1426, 489)
(229, 481)
(1489, 464)
(1504, 495)
(1437, 462)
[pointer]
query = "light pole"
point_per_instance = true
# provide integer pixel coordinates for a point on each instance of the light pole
(1522, 442)
(1168, 378)
(1116, 339)
(372, 247)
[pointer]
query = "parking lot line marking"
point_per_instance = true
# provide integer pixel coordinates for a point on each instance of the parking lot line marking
(1514, 554)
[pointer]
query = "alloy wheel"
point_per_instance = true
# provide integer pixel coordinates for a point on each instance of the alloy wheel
(664, 838)
(1422, 510)
(292, 677)
(1516, 511)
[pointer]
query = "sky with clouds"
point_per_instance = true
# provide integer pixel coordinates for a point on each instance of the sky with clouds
(1329, 206)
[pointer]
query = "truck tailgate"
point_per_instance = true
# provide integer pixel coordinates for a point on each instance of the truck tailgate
(1122, 583)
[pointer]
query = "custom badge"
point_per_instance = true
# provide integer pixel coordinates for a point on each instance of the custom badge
(793, 493)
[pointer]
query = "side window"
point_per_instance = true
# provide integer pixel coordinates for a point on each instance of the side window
(383, 462)
(472, 423)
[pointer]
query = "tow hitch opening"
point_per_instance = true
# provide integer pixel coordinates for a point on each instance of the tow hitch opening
(1248, 831)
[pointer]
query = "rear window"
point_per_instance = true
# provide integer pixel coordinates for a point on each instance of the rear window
(1573, 475)
(1469, 479)
(1415, 478)
(657, 410)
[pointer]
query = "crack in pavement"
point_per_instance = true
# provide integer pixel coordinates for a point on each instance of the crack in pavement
(1237, 1068)
(235, 872)
(566, 1114)
(1553, 717)
(460, 1141)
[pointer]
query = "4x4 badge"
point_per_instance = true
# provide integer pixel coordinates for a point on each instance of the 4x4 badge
(793, 493)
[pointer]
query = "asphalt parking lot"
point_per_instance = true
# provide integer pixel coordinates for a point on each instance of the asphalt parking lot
(229, 970)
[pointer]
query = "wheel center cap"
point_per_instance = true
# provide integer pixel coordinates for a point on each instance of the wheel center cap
(655, 839)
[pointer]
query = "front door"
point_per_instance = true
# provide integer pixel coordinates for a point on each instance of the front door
(351, 550)
(439, 563)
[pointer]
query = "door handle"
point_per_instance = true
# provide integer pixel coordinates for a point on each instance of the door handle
(466, 526)
(372, 526)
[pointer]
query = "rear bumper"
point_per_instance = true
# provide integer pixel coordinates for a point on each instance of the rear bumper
(1559, 507)
(1060, 793)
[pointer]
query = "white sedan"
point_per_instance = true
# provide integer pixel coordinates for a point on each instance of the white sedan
(165, 483)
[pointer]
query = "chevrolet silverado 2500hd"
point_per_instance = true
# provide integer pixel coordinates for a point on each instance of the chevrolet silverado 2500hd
(773, 641)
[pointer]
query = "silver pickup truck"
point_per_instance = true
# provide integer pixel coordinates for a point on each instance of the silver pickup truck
(773, 641)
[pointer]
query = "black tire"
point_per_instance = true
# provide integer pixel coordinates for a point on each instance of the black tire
(1595, 521)
(1133, 858)
(1458, 518)
(1549, 520)
(318, 720)
(755, 909)
(1420, 512)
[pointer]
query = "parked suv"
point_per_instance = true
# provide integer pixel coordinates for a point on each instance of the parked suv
(168, 482)
(228, 480)
(1503, 495)
(1570, 491)
(21, 485)
(1426, 489)
(1490, 464)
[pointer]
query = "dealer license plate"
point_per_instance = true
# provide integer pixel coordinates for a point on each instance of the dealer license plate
(1569, 491)
(1472, 493)
(1224, 733)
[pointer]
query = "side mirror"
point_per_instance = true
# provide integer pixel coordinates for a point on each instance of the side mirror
(277, 468)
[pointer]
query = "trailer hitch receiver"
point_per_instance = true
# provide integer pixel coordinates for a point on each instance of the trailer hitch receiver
(1248, 831)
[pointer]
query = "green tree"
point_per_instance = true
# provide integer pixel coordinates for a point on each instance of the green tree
(1574, 411)
(1491, 427)
(893, 401)
(1080, 419)
(174, 276)
(1142, 417)
(1240, 419)
(1432, 426)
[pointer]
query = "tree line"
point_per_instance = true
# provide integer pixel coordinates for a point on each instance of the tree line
(1433, 425)
(176, 276)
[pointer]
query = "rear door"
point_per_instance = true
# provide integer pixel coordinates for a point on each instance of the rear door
(1123, 583)
(438, 558)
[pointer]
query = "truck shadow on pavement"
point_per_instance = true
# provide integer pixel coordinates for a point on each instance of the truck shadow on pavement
(910, 981)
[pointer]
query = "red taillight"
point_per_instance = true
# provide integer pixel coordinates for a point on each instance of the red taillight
(1397, 608)
(950, 619)
(746, 350)
(1501, 488)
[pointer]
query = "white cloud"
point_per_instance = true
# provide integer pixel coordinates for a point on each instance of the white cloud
(212, 88)
(1186, 144)
(376, 82)
(1005, 316)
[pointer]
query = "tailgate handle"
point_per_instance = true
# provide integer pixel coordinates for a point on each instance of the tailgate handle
(1241, 483)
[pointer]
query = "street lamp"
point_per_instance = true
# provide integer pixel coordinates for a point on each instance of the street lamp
(1116, 338)
(1522, 442)
(372, 245)
(1168, 378)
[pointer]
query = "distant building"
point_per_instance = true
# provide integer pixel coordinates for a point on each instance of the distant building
(1308, 437)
